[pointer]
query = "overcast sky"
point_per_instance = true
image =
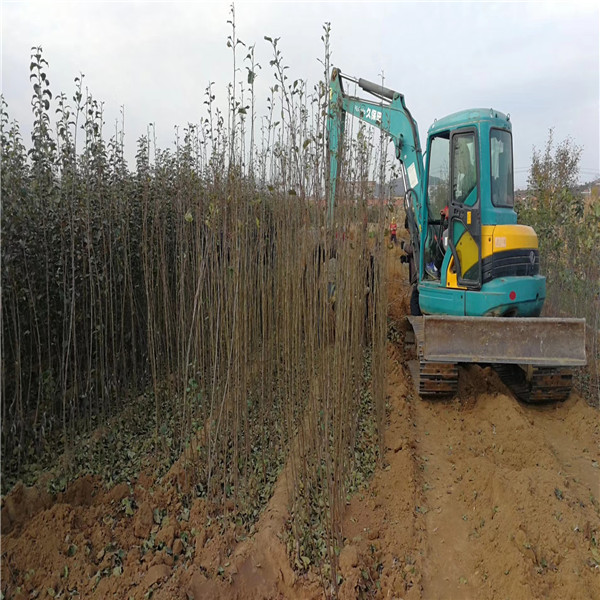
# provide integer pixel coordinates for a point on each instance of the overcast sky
(538, 61)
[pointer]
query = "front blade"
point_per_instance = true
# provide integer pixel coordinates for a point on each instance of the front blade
(537, 341)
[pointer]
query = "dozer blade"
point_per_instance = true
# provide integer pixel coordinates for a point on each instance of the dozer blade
(541, 341)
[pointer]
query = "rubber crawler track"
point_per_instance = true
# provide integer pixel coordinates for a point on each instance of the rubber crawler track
(437, 380)
(540, 386)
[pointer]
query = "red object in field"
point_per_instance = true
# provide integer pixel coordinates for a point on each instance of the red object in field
(512, 295)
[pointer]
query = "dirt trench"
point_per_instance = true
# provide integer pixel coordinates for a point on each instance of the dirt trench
(476, 497)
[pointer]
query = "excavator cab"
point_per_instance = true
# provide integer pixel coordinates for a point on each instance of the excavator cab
(470, 200)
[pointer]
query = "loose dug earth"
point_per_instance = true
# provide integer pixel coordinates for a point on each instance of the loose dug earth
(478, 497)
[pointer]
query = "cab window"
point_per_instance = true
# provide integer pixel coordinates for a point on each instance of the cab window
(464, 171)
(438, 180)
(501, 165)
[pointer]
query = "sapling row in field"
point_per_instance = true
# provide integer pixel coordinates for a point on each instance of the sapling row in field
(203, 287)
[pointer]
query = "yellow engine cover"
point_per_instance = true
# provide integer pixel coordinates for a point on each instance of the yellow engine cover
(494, 239)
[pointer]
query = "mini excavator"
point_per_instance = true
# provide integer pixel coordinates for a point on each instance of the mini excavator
(477, 292)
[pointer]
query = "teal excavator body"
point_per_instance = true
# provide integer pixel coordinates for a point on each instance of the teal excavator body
(469, 260)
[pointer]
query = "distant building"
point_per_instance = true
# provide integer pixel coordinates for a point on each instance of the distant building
(591, 195)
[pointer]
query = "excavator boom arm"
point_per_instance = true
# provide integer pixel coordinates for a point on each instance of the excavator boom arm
(390, 115)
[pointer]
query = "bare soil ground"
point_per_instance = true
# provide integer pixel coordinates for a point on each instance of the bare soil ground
(477, 497)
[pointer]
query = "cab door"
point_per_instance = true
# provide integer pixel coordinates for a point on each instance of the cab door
(465, 208)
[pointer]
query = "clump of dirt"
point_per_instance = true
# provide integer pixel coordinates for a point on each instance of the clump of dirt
(22, 503)
(475, 380)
